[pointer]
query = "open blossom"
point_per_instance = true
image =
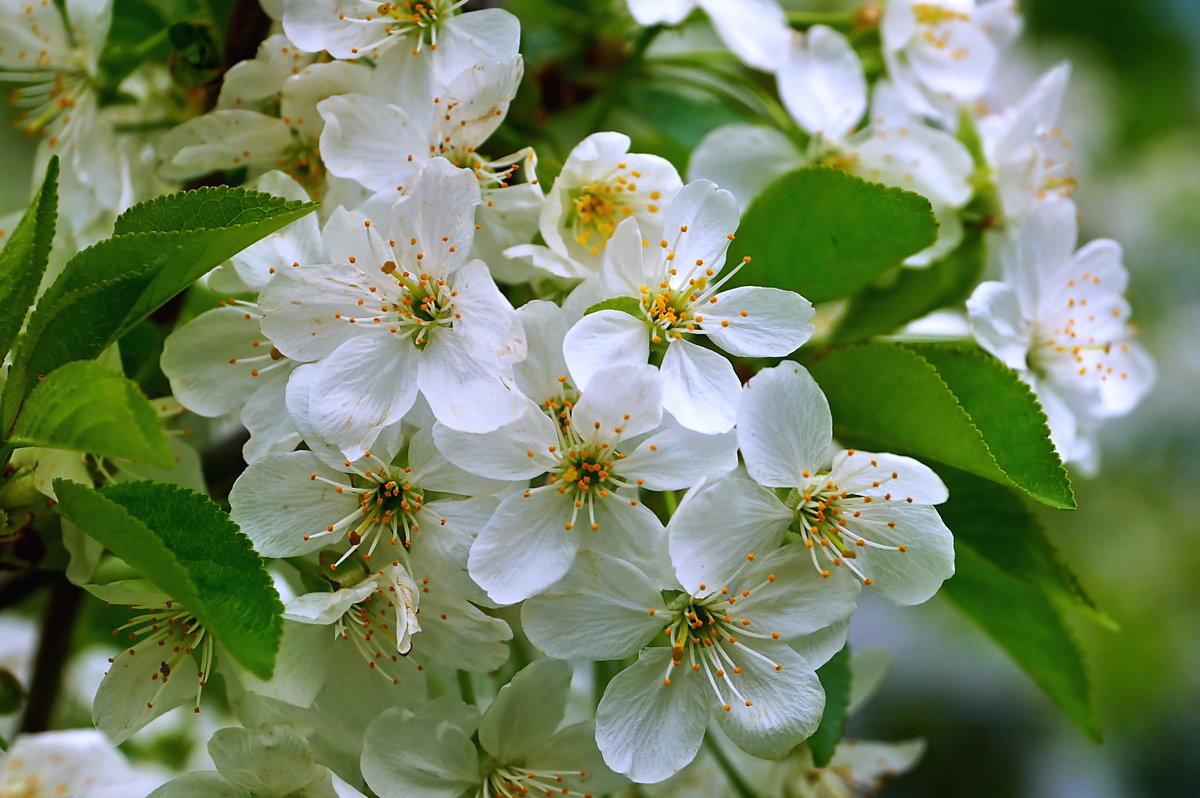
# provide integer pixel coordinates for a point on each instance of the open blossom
(942, 54)
(1028, 152)
(427, 28)
(600, 185)
(521, 748)
(676, 284)
(756, 31)
(824, 89)
(595, 454)
(400, 309)
(865, 518)
(1061, 320)
(80, 763)
(730, 654)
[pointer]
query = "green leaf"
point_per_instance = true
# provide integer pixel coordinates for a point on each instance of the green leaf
(625, 304)
(24, 257)
(879, 309)
(85, 407)
(958, 406)
(192, 551)
(826, 233)
(161, 247)
(998, 526)
(835, 677)
(1026, 624)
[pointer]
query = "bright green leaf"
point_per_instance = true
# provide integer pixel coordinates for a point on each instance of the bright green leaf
(994, 522)
(826, 233)
(835, 677)
(625, 304)
(880, 309)
(24, 257)
(978, 416)
(108, 288)
(85, 407)
(1026, 624)
(192, 551)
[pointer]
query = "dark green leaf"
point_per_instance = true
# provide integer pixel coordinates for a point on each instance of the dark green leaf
(978, 416)
(164, 245)
(835, 677)
(625, 304)
(1026, 624)
(192, 551)
(23, 259)
(880, 309)
(85, 407)
(994, 522)
(826, 233)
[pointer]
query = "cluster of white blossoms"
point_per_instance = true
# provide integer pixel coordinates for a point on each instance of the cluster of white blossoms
(497, 426)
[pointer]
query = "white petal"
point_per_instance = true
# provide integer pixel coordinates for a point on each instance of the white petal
(675, 457)
(465, 392)
(785, 705)
(899, 478)
(603, 339)
(697, 227)
(524, 548)
(908, 154)
(527, 711)
(351, 146)
(649, 730)
(448, 528)
(784, 426)
(271, 428)
(653, 12)
(911, 576)
(699, 387)
(432, 471)
(196, 358)
(407, 756)
(269, 760)
(220, 140)
(624, 398)
(488, 321)
(323, 607)
(503, 453)
(133, 692)
(797, 601)
(303, 308)
(998, 324)
(744, 159)
(276, 503)
(300, 666)
(628, 530)
(457, 634)
(755, 30)
(758, 322)
(718, 524)
(436, 224)
(467, 39)
(545, 325)
(821, 83)
(334, 25)
(603, 609)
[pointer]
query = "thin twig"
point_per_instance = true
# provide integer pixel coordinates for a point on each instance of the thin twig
(54, 644)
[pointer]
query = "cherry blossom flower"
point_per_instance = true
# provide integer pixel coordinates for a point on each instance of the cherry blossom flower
(80, 763)
(756, 31)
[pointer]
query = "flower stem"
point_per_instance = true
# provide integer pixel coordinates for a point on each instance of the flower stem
(735, 779)
(53, 647)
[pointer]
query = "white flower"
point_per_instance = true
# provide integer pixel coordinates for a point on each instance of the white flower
(867, 517)
(823, 87)
(269, 761)
(755, 30)
(166, 667)
(942, 54)
(675, 284)
(384, 138)
(601, 185)
(80, 763)
(257, 82)
(1029, 155)
(393, 315)
(729, 652)
(1060, 319)
(54, 50)
(431, 752)
(230, 138)
(356, 28)
(595, 454)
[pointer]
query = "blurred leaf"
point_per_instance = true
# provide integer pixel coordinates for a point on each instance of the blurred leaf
(877, 310)
(24, 257)
(197, 56)
(85, 407)
(994, 522)
(977, 415)
(192, 551)
(826, 233)
(625, 304)
(1026, 624)
(835, 677)
(160, 248)
(12, 693)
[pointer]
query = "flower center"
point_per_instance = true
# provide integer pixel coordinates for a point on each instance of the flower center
(420, 17)
(303, 163)
(382, 625)
(170, 631)
(934, 14)
(422, 304)
(507, 781)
